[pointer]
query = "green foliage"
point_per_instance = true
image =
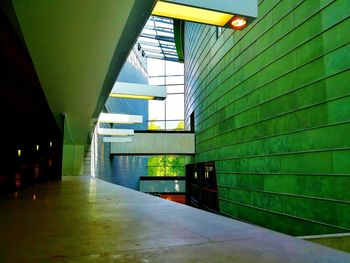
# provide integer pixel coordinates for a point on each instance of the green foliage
(156, 166)
(175, 166)
(166, 165)
(180, 126)
(153, 126)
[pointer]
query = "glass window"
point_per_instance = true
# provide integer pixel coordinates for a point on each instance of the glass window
(174, 68)
(175, 165)
(156, 125)
(156, 166)
(166, 165)
(157, 81)
(175, 125)
(175, 107)
(155, 67)
(175, 80)
(156, 110)
(175, 89)
(169, 114)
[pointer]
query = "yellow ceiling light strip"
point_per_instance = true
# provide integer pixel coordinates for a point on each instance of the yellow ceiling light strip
(191, 14)
(129, 96)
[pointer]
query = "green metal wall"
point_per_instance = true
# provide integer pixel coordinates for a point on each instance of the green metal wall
(272, 109)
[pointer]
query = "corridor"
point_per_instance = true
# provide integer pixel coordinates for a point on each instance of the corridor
(83, 219)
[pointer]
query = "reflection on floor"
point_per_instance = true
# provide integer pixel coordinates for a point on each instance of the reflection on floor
(87, 220)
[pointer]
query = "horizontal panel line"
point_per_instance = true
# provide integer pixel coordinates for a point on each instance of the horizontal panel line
(274, 117)
(196, 43)
(262, 50)
(255, 23)
(281, 134)
(286, 153)
(236, 218)
(270, 81)
(286, 174)
(294, 28)
(297, 67)
(279, 96)
(286, 215)
(287, 194)
(194, 34)
(202, 32)
(239, 40)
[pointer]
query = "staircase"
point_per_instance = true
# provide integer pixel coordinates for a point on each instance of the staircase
(87, 162)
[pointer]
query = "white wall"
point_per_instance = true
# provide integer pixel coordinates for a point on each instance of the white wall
(157, 143)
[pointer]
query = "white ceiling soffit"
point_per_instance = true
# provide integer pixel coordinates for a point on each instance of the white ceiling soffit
(119, 118)
(114, 132)
(117, 139)
(78, 47)
(134, 90)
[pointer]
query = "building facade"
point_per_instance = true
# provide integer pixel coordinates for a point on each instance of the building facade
(271, 108)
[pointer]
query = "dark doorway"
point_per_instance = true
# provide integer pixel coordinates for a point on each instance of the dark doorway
(202, 187)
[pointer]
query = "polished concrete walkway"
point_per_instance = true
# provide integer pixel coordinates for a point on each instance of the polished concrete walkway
(88, 220)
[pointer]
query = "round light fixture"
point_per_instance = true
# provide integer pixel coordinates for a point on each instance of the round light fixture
(238, 23)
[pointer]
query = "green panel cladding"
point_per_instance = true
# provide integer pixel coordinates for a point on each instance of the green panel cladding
(271, 107)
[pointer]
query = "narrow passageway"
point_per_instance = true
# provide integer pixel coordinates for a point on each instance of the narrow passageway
(83, 219)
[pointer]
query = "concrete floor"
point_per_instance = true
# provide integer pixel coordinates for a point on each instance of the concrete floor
(88, 220)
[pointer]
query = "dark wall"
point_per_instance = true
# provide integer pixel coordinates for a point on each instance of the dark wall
(26, 119)
(271, 107)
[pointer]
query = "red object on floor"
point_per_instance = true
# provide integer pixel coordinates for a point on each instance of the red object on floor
(175, 198)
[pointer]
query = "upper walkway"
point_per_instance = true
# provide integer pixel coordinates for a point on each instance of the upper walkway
(83, 219)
